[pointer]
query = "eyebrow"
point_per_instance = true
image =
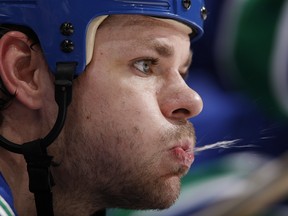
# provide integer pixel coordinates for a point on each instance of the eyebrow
(163, 49)
(167, 50)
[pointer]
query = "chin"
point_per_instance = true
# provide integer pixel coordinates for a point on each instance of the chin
(166, 194)
(171, 192)
(161, 195)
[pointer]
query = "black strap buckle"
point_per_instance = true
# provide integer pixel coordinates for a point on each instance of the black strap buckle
(40, 178)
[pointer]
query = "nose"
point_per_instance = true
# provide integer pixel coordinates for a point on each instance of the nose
(180, 102)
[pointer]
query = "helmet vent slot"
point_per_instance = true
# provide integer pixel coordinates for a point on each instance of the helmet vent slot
(27, 3)
(147, 4)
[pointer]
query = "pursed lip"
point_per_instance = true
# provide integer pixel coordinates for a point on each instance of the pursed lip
(183, 153)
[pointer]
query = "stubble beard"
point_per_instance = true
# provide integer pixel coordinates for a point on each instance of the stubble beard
(114, 181)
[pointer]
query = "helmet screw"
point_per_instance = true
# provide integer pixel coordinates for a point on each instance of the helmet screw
(186, 4)
(67, 29)
(204, 13)
(67, 46)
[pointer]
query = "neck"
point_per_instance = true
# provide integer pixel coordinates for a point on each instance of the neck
(70, 195)
(73, 202)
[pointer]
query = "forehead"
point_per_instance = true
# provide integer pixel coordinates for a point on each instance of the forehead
(139, 36)
(143, 32)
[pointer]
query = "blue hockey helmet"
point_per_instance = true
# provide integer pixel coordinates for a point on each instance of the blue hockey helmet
(62, 26)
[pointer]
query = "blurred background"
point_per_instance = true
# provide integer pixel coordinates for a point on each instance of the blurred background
(240, 69)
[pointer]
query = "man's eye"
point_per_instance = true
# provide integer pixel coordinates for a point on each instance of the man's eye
(144, 66)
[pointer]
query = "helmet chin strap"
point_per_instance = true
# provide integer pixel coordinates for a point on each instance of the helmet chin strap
(35, 152)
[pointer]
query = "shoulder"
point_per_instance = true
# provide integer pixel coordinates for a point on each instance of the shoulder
(6, 199)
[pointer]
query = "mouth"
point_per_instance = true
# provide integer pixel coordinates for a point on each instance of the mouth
(183, 154)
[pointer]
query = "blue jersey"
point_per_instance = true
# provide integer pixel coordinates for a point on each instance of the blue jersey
(6, 199)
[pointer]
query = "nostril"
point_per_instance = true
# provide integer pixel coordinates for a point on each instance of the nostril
(181, 111)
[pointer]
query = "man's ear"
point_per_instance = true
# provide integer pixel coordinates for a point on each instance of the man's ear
(19, 68)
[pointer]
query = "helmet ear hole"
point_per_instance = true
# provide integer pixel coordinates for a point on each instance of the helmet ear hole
(4, 28)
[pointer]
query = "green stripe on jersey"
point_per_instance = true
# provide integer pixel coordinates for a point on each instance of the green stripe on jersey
(5, 209)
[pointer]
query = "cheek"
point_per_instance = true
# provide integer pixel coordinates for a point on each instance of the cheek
(119, 106)
(127, 104)
(125, 126)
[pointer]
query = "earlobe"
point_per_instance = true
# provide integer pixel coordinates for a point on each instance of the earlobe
(19, 69)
